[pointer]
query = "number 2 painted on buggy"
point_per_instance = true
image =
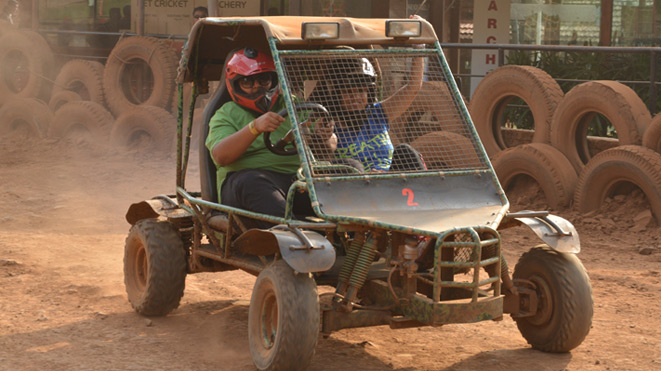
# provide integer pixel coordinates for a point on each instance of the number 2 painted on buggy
(409, 192)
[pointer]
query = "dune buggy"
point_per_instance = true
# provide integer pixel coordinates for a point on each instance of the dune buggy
(404, 247)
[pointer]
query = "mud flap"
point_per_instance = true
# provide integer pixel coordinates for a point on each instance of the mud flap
(555, 231)
(304, 251)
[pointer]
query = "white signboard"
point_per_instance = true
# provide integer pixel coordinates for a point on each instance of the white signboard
(175, 17)
(230, 8)
(491, 25)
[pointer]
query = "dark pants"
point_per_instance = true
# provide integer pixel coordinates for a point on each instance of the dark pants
(265, 192)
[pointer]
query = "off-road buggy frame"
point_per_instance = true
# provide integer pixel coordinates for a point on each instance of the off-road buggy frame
(404, 248)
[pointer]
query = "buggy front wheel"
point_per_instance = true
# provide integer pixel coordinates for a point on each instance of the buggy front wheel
(283, 320)
(564, 297)
(154, 267)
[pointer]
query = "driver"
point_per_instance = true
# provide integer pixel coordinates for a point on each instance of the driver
(249, 175)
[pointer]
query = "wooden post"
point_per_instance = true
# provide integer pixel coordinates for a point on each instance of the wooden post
(606, 29)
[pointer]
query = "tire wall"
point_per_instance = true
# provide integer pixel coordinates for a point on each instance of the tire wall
(615, 101)
(31, 112)
(156, 122)
(129, 53)
(82, 77)
(534, 86)
(613, 168)
(31, 76)
(543, 163)
(652, 135)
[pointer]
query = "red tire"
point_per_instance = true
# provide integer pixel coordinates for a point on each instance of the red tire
(25, 116)
(617, 102)
(614, 168)
(652, 135)
(140, 70)
(541, 162)
(84, 122)
(82, 77)
(26, 66)
(445, 150)
(145, 128)
(61, 98)
(487, 106)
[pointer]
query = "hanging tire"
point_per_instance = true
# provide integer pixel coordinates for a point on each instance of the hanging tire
(283, 319)
(26, 65)
(541, 162)
(85, 122)
(25, 117)
(82, 77)
(154, 267)
(565, 306)
(61, 98)
(652, 135)
(145, 128)
(615, 169)
(443, 150)
(617, 102)
(139, 70)
(498, 88)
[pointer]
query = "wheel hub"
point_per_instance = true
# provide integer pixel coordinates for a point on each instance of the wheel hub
(269, 320)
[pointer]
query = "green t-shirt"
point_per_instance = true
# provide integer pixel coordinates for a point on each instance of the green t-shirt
(229, 119)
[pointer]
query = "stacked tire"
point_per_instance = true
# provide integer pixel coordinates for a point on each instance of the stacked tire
(126, 102)
(562, 159)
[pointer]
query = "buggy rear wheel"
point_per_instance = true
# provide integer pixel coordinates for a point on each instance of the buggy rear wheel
(283, 321)
(154, 267)
(564, 296)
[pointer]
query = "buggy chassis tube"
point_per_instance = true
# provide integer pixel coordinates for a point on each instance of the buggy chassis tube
(304, 251)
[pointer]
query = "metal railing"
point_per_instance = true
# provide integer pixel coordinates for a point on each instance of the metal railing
(652, 51)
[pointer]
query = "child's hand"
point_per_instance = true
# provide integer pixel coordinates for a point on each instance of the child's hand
(324, 128)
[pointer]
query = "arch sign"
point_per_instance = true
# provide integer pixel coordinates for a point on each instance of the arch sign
(491, 25)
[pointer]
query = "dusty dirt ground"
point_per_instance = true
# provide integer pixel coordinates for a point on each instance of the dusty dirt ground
(63, 304)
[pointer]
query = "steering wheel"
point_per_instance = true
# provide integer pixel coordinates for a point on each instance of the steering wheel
(279, 148)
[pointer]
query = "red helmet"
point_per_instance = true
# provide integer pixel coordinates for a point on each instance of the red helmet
(248, 62)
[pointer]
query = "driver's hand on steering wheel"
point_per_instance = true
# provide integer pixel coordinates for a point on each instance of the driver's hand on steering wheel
(268, 122)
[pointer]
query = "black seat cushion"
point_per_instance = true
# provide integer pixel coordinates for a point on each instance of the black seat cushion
(221, 96)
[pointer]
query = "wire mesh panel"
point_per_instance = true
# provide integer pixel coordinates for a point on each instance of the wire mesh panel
(390, 111)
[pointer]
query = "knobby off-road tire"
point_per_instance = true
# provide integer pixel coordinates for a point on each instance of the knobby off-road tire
(617, 102)
(283, 320)
(139, 58)
(26, 66)
(565, 309)
(83, 77)
(84, 121)
(652, 135)
(616, 167)
(145, 128)
(498, 88)
(154, 267)
(61, 98)
(543, 163)
(25, 116)
(443, 150)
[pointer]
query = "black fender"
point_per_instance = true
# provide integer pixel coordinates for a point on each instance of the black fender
(304, 251)
(159, 206)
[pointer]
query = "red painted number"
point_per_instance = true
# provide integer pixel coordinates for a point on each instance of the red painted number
(408, 192)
